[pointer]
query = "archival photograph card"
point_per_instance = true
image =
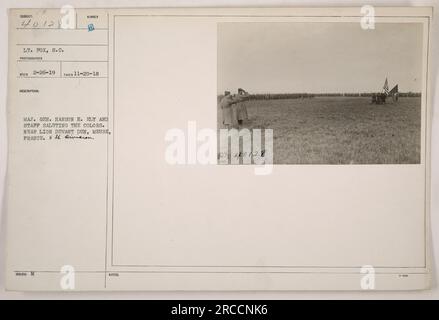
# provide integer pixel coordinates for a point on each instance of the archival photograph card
(218, 149)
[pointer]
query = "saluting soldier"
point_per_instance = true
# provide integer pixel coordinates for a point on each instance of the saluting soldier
(239, 110)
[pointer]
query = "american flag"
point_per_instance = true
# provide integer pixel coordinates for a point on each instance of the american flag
(386, 87)
(393, 91)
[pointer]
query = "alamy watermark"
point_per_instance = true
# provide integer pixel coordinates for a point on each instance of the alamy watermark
(367, 281)
(367, 20)
(67, 281)
(231, 146)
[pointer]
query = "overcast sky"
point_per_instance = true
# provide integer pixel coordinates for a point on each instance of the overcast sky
(318, 57)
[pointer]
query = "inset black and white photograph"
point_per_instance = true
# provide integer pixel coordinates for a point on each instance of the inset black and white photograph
(332, 93)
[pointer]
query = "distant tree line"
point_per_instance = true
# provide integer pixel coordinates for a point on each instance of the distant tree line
(274, 96)
(368, 94)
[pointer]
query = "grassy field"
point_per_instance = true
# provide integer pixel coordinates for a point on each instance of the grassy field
(339, 130)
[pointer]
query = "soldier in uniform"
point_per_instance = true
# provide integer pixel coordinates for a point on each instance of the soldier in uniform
(383, 98)
(226, 109)
(239, 109)
(242, 107)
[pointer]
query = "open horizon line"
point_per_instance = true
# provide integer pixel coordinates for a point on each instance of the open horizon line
(324, 93)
